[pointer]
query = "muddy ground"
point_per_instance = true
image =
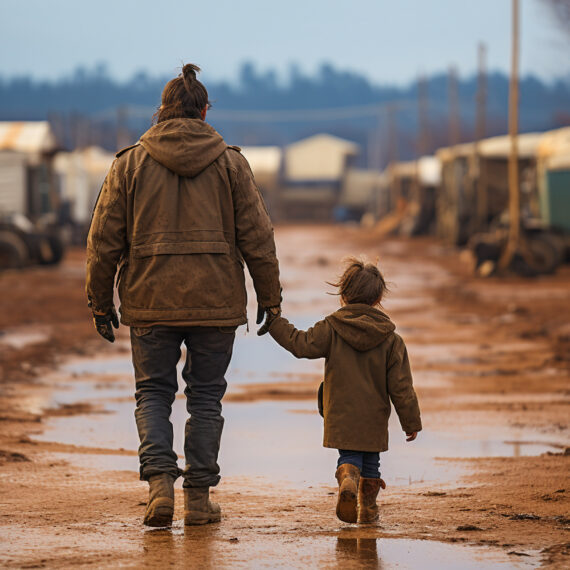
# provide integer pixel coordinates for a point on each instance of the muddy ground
(486, 484)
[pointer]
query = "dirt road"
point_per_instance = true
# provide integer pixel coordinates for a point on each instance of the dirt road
(485, 485)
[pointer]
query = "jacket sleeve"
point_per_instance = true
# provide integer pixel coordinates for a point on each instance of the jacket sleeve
(401, 389)
(314, 343)
(106, 241)
(254, 237)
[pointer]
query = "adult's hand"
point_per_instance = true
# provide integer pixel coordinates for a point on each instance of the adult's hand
(411, 436)
(104, 323)
(271, 313)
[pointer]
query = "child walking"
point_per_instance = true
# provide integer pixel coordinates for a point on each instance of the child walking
(366, 368)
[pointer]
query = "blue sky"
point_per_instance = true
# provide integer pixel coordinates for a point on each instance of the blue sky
(390, 42)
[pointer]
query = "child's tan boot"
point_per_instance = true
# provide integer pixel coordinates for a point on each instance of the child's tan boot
(347, 476)
(160, 506)
(198, 509)
(367, 493)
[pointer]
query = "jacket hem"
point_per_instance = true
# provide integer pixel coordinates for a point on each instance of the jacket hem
(131, 320)
(355, 446)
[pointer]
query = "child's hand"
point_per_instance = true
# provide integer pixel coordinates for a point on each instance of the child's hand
(411, 436)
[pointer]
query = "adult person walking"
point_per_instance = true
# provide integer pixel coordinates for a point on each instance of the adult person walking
(178, 214)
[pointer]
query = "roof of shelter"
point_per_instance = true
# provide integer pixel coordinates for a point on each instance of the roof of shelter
(318, 158)
(28, 137)
(266, 159)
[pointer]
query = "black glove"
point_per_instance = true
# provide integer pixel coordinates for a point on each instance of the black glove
(103, 324)
(260, 314)
(271, 313)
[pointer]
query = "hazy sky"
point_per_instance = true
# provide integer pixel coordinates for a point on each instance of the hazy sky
(389, 41)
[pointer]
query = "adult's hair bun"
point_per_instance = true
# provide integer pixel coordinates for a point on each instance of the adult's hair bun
(189, 71)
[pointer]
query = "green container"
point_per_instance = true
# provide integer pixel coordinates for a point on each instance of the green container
(555, 202)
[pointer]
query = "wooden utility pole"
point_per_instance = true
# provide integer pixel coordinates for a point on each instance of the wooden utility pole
(122, 133)
(514, 190)
(453, 98)
(392, 110)
(423, 124)
(375, 144)
(481, 115)
(480, 132)
(423, 136)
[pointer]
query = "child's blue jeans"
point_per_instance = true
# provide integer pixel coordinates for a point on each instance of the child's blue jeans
(367, 461)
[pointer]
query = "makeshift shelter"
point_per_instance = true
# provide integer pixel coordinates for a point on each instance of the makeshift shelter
(313, 171)
(362, 191)
(81, 174)
(265, 162)
(412, 192)
(553, 168)
(474, 184)
(27, 185)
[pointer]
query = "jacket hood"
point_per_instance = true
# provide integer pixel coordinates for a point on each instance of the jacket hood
(185, 146)
(361, 326)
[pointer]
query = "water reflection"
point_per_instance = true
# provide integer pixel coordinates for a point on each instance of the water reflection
(363, 550)
(182, 547)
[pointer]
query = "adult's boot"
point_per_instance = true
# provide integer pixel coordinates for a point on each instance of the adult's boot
(198, 509)
(367, 493)
(160, 507)
(348, 476)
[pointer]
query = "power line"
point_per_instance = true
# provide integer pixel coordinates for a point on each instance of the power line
(309, 115)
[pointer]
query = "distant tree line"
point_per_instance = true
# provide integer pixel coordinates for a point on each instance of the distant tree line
(90, 107)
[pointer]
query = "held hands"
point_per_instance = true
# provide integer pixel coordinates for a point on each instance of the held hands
(103, 322)
(411, 436)
(270, 314)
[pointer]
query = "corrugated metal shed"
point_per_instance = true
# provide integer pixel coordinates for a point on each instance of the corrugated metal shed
(29, 137)
(320, 158)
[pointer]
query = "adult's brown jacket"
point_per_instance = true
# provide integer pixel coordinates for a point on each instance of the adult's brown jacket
(366, 367)
(179, 212)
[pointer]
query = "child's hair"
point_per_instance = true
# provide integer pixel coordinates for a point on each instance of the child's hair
(361, 283)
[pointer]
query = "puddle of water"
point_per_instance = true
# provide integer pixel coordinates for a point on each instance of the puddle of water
(20, 339)
(264, 438)
(221, 546)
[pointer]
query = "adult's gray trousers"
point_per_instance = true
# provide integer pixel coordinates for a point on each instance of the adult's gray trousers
(156, 352)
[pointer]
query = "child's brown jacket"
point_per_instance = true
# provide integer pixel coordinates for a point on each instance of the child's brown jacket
(366, 367)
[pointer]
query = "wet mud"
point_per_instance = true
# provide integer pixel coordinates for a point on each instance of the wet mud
(485, 485)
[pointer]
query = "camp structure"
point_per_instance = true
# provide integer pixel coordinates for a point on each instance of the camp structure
(553, 174)
(80, 175)
(27, 183)
(412, 191)
(29, 199)
(312, 176)
(265, 163)
(363, 191)
(474, 184)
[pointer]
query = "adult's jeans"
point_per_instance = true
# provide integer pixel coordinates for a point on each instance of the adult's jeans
(156, 352)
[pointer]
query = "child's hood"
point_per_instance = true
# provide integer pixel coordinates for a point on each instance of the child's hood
(361, 326)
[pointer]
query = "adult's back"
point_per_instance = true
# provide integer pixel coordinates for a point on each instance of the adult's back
(179, 214)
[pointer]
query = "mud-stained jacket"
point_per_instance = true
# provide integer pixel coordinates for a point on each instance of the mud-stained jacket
(366, 368)
(178, 213)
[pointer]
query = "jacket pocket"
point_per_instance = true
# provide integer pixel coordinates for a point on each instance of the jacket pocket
(180, 248)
